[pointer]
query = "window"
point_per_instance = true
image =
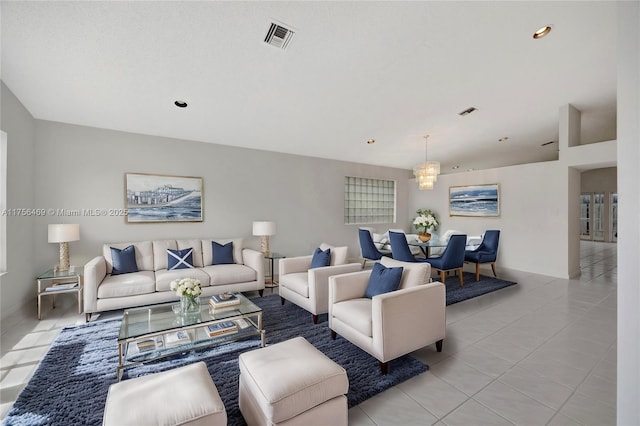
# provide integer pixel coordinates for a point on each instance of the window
(3, 202)
(369, 200)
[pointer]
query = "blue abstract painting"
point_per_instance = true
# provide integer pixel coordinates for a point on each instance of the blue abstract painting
(476, 200)
(158, 198)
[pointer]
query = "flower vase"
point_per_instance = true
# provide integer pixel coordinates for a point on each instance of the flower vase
(189, 305)
(424, 236)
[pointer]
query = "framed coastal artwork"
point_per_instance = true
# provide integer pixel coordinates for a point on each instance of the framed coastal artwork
(160, 198)
(474, 200)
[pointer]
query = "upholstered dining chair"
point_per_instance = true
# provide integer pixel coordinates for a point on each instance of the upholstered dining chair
(486, 252)
(392, 324)
(452, 258)
(368, 248)
(400, 248)
(308, 287)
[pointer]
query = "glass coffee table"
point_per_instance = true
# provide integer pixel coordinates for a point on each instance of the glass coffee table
(154, 332)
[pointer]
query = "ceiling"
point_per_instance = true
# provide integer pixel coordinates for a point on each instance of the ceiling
(353, 71)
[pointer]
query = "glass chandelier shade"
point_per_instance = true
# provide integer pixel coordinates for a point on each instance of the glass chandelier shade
(426, 173)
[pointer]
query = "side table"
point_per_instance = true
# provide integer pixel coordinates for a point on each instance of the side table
(270, 280)
(54, 282)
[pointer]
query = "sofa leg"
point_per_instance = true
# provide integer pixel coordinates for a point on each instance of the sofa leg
(314, 318)
(477, 272)
(493, 268)
(87, 317)
(281, 300)
(439, 345)
(260, 292)
(384, 368)
(333, 335)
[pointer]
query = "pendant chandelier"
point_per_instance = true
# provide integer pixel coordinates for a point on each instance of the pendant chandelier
(426, 173)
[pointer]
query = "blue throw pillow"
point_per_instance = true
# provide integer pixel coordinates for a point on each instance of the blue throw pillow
(321, 258)
(383, 280)
(222, 254)
(124, 261)
(179, 259)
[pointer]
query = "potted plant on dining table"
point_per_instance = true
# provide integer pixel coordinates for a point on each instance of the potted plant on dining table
(425, 222)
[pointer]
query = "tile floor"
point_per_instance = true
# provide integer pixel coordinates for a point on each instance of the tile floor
(542, 352)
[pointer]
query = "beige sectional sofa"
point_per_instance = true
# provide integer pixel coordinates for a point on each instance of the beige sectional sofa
(105, 292)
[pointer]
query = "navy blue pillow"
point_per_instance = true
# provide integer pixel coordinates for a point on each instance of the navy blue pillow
(222, 254)
(124, 261)
(383, 280)
(179, 259)
(321, 258)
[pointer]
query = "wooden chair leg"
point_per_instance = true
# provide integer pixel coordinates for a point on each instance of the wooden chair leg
(493, 268)
(477, 272)
(460, 275)
(443, 276)
(364, 263)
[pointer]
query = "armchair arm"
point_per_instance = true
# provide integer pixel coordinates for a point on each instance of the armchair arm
(347, 286)
(94, 272)
(255, 260)
(408, 319)
(290, 265)
(319, 282)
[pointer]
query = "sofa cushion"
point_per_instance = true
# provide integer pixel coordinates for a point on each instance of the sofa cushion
(164, 277)
(383, 280)
(196, 245)
(414, 273)
(124, 285)
(356, 313)
(229, 274)
(160, 248)
(321, 258)
(207, 250)
(222, 254)
(297, 281)
(180, 259)
(144, 254)
(338, 254)
(124, 261)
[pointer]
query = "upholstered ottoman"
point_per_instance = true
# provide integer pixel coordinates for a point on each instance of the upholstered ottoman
(292, 383)
(182, 396)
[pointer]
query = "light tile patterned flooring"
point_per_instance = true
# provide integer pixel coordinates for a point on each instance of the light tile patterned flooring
(541, 352)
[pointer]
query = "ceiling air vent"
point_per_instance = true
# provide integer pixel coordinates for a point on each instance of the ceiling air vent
(467, 111)
(278, 36)
(548, 143)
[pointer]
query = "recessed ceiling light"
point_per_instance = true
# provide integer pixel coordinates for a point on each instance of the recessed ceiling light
(542, 32)
(371, 141)
(503, 139)
(180, 104)
(455, 167)
(470, 170)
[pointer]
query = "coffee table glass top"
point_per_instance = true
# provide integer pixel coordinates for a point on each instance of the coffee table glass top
(147, 320)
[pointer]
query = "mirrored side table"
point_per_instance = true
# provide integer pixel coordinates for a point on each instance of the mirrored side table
(270, 279)
(55, 282)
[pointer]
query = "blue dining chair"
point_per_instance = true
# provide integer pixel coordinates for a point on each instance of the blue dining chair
(486, 252)
(400, 248)
(452, 258)
(368, 248)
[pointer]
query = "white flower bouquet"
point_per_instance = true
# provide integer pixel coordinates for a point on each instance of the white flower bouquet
(189, 287)
(425, 221)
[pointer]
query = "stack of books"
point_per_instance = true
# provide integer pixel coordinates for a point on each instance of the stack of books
(177, 338)
(225, 300)
(146, 345)
(222, 328)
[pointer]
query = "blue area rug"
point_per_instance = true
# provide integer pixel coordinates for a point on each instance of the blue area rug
(472, 288)
(71, 383)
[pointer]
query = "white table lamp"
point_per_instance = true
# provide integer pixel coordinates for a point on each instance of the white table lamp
(264, 229)
(63, 233)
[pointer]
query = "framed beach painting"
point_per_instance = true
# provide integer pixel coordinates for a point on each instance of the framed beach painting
(474, 200)
(160, 198)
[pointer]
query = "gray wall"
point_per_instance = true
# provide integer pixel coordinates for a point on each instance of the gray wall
(17, 287)
(83, 168)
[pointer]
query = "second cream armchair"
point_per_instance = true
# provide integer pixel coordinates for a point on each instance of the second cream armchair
(309, 288)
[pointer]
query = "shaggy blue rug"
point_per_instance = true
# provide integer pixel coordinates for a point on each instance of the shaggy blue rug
(471, 288)
(71, 383)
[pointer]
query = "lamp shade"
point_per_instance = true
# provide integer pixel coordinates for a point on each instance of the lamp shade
(62, 233)
(261, 228)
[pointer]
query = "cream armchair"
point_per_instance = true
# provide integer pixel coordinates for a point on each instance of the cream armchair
(393, 324)
(309, 288)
